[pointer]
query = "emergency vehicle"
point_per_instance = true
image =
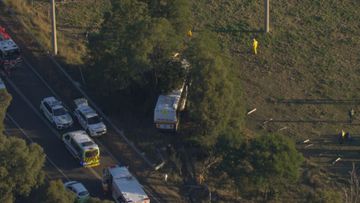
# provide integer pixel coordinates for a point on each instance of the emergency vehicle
(88, 118)
(9, 51)
(82, 147)
(168, 106)
(123, 186)
(56, 113)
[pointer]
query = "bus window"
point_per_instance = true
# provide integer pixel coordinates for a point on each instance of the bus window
(12, 54)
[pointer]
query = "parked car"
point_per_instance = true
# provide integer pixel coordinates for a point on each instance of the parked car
(56, 113)
(82, 194)
(88, 118)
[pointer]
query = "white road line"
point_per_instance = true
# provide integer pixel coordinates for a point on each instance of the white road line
(120, 132)
(56, 95)
(102, 114)
(31, 141)
(42, 118)
(117, 130)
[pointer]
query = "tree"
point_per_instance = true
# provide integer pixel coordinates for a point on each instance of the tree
(213, 96)
(20, 167)
(265, 164)
(56, 192)
(20, 164)
(5, 99)
(178, 12)
(132, 49)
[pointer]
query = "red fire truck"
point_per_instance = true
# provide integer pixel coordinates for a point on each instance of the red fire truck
(9, 52)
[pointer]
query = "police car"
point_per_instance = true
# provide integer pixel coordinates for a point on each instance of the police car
(56, 113)
(88, 118)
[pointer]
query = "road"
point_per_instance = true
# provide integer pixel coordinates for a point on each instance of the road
(28, 88)
(22, 121)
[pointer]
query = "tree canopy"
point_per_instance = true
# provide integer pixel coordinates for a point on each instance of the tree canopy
(213, 95)
(56, 192)
(266, 163)
(135, 46)
(20, 164)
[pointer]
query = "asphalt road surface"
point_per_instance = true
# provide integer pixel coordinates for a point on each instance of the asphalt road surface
(29, 85)
(26, 122)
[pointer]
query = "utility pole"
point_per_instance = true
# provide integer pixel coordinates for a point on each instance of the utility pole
(53, 25)
(267, 16)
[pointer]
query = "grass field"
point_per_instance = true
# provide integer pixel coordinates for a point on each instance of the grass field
(303, 81)
(74, 20)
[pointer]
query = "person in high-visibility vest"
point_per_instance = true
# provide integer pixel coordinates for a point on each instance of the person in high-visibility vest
(255, 45)
(189, 33)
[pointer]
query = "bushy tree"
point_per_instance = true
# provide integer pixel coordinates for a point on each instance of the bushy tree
(178, 12)
(265, 164)
(5, 99)
(213, 96)
(133, 49)
(56, 192)
(20, 164)
(20, 167)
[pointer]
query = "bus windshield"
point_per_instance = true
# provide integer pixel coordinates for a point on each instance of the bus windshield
(11, 54)
(91, 153)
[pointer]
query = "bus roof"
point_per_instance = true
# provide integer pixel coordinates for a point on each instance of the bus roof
(129, 186)
(169, 101)
(7, 45)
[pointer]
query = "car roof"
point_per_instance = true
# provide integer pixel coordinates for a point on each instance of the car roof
(78, 187)
(53, 102)
(87, 111)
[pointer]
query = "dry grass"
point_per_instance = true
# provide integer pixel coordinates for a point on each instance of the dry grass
(310, 53)
(74, 19)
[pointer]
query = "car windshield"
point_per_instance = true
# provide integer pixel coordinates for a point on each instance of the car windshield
(92, 153)
(84, 144)
(93, 120)
(59, 111)
(12, 54)
(83, 193)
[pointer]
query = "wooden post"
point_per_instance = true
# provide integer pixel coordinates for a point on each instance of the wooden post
(267, 16)
(53, 24)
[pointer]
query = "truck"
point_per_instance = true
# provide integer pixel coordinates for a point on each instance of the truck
(123, 186)
(169, 106)
(9, 52)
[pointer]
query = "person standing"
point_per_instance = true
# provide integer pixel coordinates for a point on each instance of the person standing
(255, 45)
(351, 115)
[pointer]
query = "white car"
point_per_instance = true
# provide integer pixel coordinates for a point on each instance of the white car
(82, 194)
(88, 118)
(56, 113)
